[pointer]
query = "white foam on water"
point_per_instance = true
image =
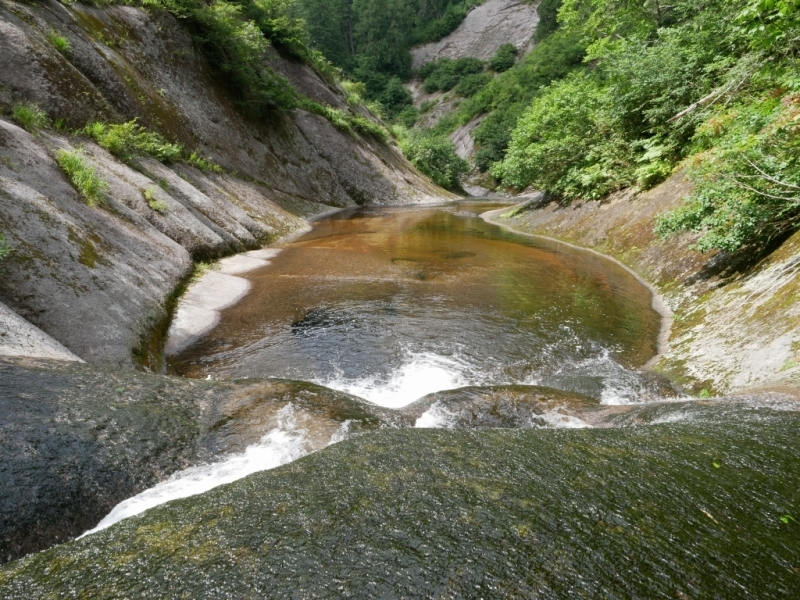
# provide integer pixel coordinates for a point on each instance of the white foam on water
(421, 374)
(557, 420)
(436, 417)
(281, 445)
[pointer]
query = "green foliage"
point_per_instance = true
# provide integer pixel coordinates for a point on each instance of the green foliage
(504, 58)
(548, 19)
(59, 42)
(626, 103)
(5, 249)
(204, 164)
(345, 121)
(356, 92)
(235, 39)
(445, 74)
(128, 140)
(395, 97)
(370, 38)
(747, 183)
(436, 157)
(408, 116)
(337, 118)
(507, 96)
(566, 143)
(369, 127)
(469, 85)
(82, 176)
(30, 117)
(154, 203)
(771, 25)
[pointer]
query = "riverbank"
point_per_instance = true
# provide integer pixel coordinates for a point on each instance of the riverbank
(733, 326)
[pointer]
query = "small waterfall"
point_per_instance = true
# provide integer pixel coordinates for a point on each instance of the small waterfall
(283, 444)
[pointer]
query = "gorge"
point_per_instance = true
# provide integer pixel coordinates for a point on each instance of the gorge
(271, 357)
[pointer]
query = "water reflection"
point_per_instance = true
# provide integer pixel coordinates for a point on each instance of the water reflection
(392, 304)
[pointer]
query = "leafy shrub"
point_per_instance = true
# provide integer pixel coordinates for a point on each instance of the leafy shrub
(427, 105)
(566, 143)
(337, 118)
(59, 42)
(747, 184)
(504, 58)
(356, 92)
(408, 116)
(508, 95)
(395, 97)
(436, 157)
(369, 127)
(128, 140)
(235, 39)
(444, 25)
(202, 163)
(444, 74)
(472, 84)
(548, 19)
(82, 176)
(30, 117)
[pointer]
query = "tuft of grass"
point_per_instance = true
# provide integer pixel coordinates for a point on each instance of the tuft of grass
(82, 176)
(154, 203)
(128, 140)
(203, 164)
(367, 126)
(59, 42)
(30, 117)
(162, 183)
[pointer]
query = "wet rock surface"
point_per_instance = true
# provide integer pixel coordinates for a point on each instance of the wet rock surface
(75, 440)
(501, 406)
(699, 508)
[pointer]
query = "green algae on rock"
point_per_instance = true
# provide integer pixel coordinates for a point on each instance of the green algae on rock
(689, 509)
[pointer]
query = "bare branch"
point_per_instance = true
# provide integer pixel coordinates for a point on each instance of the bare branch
(770, 177)
(764, 194)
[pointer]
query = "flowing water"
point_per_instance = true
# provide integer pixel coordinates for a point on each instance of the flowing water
(392, 304)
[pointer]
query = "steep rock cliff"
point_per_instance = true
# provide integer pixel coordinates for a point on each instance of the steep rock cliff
(97, 278)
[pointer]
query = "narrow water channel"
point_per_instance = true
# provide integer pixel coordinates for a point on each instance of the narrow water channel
(393, 304)
(390, 304)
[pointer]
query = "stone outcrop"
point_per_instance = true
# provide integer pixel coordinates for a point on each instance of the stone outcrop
(97, 279)
(483, 31)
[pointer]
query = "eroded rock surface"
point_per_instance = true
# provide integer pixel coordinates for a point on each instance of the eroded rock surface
(76, 439)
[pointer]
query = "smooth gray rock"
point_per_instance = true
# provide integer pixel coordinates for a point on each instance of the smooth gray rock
(483, 31)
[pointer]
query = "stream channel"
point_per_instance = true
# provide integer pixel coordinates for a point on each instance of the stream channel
(394, 304)
(484, 430)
